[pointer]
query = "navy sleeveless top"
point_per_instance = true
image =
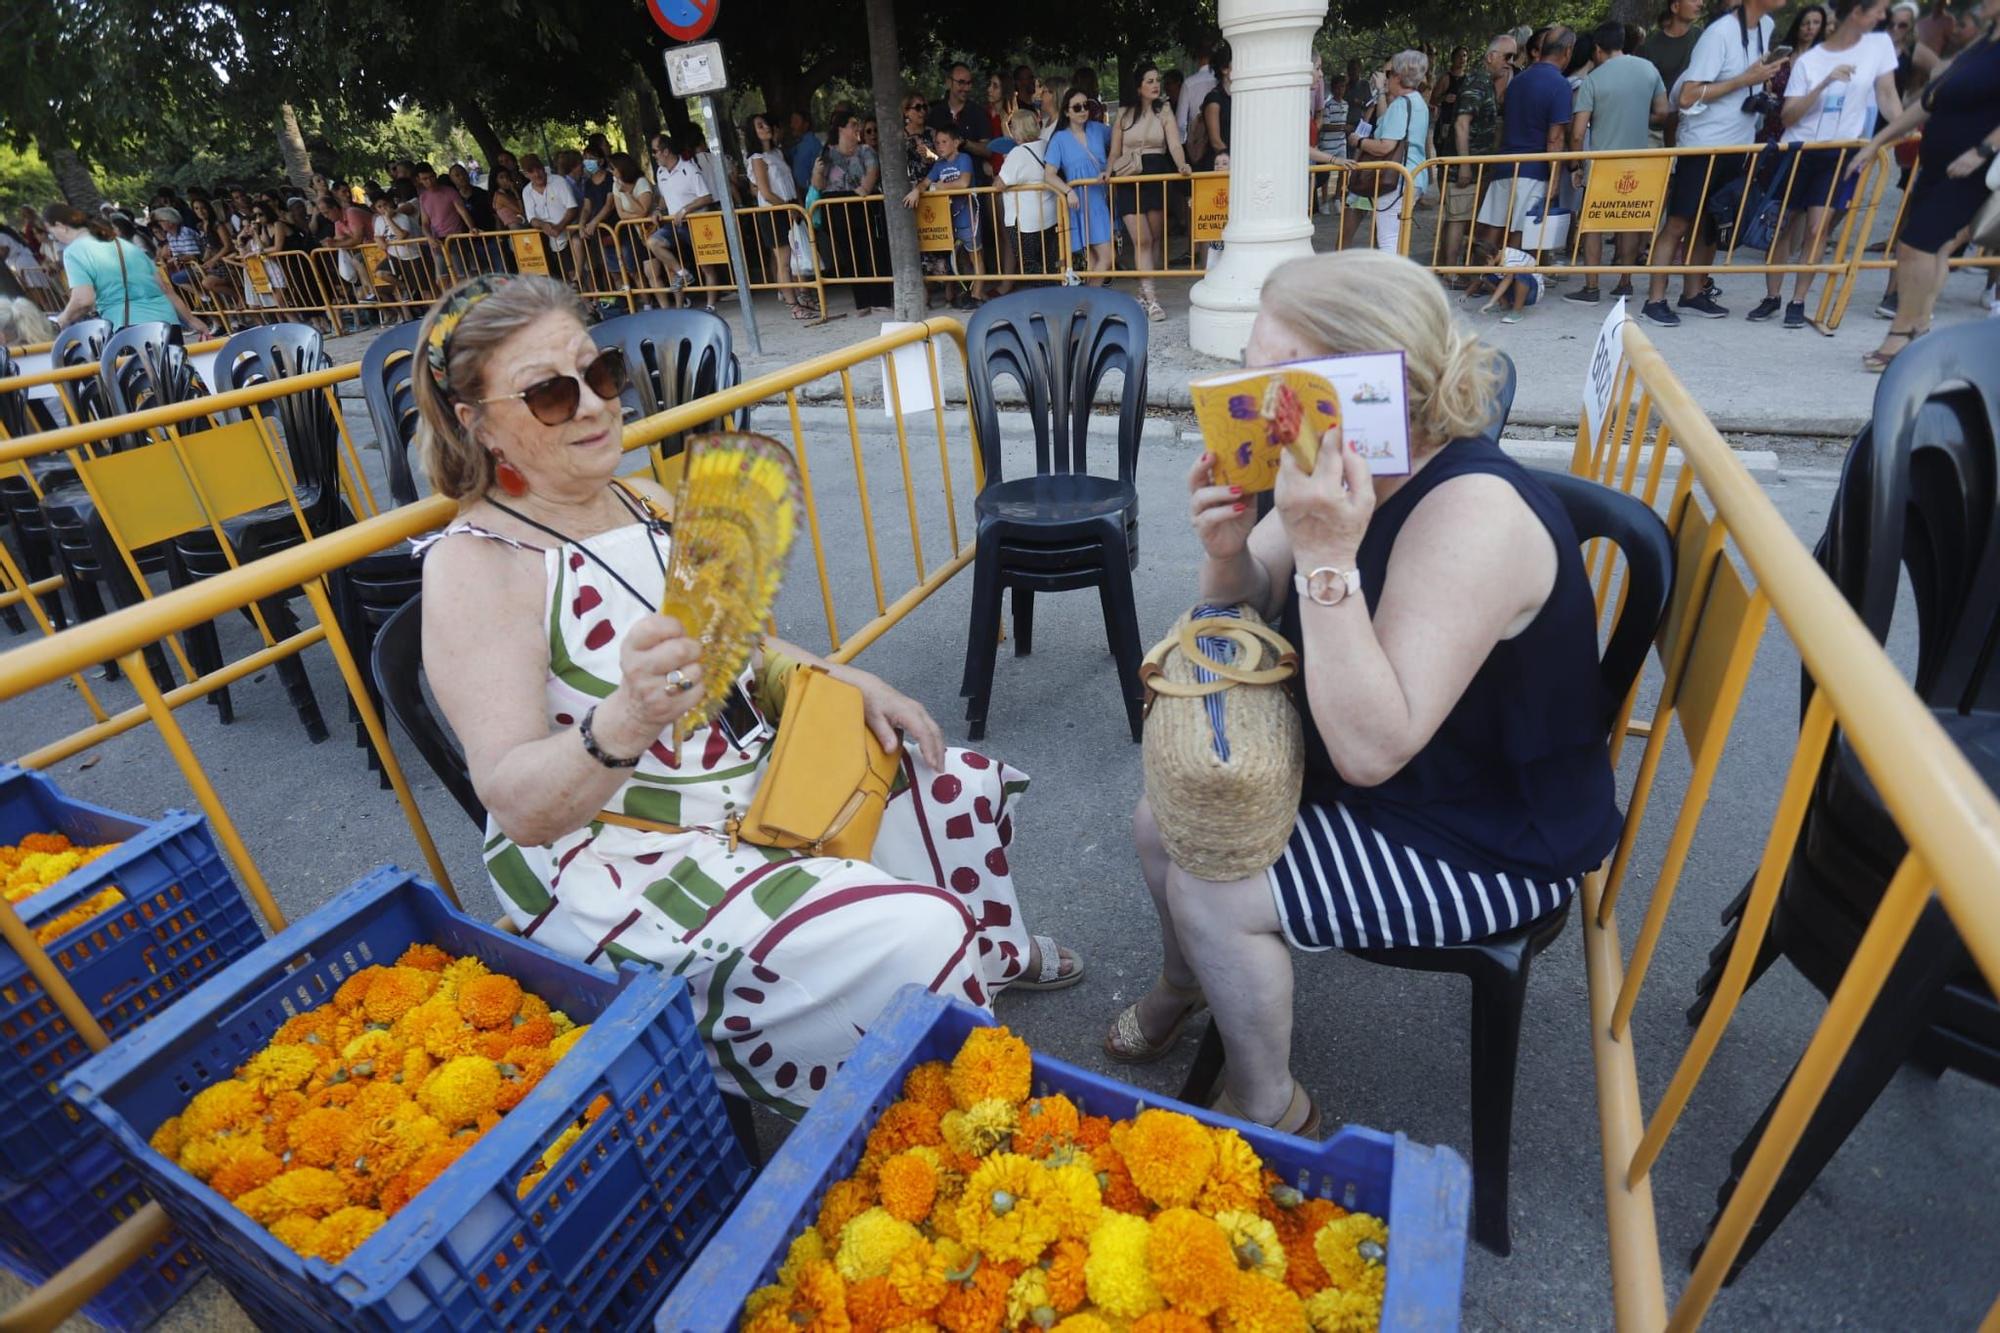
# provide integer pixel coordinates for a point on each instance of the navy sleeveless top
(1518, 778)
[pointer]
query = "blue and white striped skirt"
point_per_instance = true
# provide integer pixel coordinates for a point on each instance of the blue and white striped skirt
(1342, 885)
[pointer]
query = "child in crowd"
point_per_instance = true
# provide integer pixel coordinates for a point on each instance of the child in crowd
(1518, 290)
(953, 171)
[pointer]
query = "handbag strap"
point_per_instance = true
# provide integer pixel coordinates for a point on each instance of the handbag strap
(1248, 636)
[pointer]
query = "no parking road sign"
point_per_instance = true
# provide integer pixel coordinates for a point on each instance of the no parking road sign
(684, 20)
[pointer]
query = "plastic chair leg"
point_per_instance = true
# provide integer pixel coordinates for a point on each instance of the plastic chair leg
(11, 617)
(983, 638)
(1498, 994)
(1121, 628)
(1718, 958)
(1204, 1076)
(1023, 600)
(278, 614)
(1901, 1015)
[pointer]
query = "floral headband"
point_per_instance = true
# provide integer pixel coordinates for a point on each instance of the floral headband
(456, 305)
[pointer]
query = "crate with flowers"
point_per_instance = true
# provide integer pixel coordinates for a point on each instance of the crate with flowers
(394, 1116)
(951, 1177)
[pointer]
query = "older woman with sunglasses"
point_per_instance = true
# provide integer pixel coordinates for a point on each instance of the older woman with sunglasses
(542, 641)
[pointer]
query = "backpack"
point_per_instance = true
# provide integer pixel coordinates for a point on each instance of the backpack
(1195, 147)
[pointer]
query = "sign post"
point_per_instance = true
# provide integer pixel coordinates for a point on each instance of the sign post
(697, 71)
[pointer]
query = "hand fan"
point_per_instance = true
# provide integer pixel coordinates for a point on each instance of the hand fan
(735, 515)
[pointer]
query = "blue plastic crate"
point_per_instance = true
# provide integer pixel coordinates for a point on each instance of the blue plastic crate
(182, 920)
(52, 1220)
(1421, 1191)
(594, 1245)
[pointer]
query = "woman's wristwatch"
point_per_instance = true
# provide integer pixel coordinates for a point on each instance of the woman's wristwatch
(591, 747)
(1328, 585)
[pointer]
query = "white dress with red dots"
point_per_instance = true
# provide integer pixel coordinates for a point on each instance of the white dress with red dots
(789, 956)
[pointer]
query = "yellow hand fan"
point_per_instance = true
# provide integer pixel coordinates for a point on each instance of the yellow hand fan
(735, 515)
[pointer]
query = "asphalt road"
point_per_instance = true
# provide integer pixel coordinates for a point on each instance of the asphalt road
(1889, 1238)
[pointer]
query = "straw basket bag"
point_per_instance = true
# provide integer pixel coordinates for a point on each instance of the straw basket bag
(1224, 752)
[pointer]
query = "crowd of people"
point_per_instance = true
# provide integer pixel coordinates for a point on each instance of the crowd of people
(1775, 120)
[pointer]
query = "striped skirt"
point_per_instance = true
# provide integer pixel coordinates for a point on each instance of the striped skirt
(1341, 885)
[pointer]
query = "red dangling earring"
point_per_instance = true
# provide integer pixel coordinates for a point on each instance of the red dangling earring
(509, 476)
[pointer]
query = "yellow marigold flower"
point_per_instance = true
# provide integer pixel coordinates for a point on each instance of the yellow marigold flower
(1354, 1250)
(340, 1233)
(1169, 1321)
(563, 1021)
(247, 1166)
(1000, 1213)
(870, 1241)
(1083, 1323)
(396, 991)
(303, 1189)
(354, 991)
(293, 1230)
(1071, 1199)
(806, 1248)
(378, 1045)
(397, 1194)
(383, 1147)
(456, 973)
(1255, 1243)
(992, 1062)
(1337, 1311)
(434, 1026)
(1118, 1273)
(314, 1027)
(1028, 1299)
(922, 1274)
(567, 1038)
(490, 1001)
(201, 1158)
(908, 1186)
(1257, 1304)
(845, 1200)
(1067, 1284)
(929, 1084)
(424, 957)
(528, 1183)
(228, 1107)
(277, 1069)
(64, 922)
(1047, 1123)
(415, 1067)
(1236, 1181)
(1169, 1155)
(315, 1137)
(166, 1140)
(979, 1130)
(534, 1006)
(461, 1091)
(1190, 1260)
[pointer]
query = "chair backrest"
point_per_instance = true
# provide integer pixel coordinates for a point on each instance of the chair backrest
(1503, 395)
(82, 344)
(305, 420)
(398, 663)
(145, 365)
(673, 357)
(1629, 524)
(13, 402)
(1920, 489)
(1058, 343)
(385, 385)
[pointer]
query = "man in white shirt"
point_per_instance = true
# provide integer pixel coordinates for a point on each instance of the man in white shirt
(551, 206)
(682, 190)
(1731, 62)
(1197, 86)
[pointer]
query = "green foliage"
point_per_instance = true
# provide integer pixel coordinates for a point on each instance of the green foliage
(24, 180)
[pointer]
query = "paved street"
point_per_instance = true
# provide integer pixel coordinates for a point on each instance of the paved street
(1880, 1242)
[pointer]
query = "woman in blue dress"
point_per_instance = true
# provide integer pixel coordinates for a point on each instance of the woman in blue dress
(1078, 151)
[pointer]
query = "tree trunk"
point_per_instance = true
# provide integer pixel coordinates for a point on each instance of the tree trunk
(292, 148)
(886, 69)
(73, 178)
(473, 117)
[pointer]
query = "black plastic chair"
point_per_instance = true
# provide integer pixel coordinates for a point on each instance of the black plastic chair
(1063, 527)
(1503, 395)
(20, 508)
(1498, 965)
(1919, 491)
(397, 669)
(81, 344)
(673, 357)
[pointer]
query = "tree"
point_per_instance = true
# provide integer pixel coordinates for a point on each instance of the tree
(292, 148)
(906, 259)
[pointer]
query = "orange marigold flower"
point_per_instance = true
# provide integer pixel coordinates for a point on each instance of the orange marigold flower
(1067, 1284)
(930, 1084)
(201, 1158)
(534, 1006)
(1093, 1132)
(405, 1187)
(874, 1307)
(908, 1185)
(919, 1273)
(314, 1027)
(1191, 1261)
(1169, 1154)
(1235, 1183)
(1082, 1323)
(1046, 1124)
(434, 1026)
(383, 1147)
(353, 992)
(1297, 1224)
(456, 973)
(395, 992)
(45, 842)
(303, 1189)
(166, 1140)
(978, 1304)
(293, 1230)
(816, 1304)
(490, 1001)
(248, 1166)
(528, 1069)
(378, 1046)
(461, 1091)
(1257, 1304)
(1169, 1321)
(845, 1200)
(993, 1062)
(338, 1235)
(379, 1097)
(424, 957)
(315, 1137)
(228, 1107)
(534, 1032)
(903, 1125)
(1121, 1194)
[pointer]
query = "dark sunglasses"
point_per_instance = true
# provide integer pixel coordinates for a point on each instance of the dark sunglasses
(1079, 106)
(554, 400)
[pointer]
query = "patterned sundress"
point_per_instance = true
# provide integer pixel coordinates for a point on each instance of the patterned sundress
(789, 956)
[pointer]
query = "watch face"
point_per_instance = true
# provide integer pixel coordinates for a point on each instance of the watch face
(1326, 586)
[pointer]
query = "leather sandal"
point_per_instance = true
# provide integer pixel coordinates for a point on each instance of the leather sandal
(1050, 976)
(1301, 1117)
(1127, 1043)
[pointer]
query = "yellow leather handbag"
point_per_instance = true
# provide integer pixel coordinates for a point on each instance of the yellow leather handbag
(828, 778)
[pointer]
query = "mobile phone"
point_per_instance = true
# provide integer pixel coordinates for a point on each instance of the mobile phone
(1780, 52)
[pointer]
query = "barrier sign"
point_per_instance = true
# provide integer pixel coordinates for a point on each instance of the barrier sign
(1602, 376)
(373, 257)
(711, 240)
(934, 223)
(260, 277)
(1211, 208)
(1625, 194)
(529, 255)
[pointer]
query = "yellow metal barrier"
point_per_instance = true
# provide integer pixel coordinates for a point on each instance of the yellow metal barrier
(1951, 821)
(1473, 247)
(123, 635)
(1966, 258)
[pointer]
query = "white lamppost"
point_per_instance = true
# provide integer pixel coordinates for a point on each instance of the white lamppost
(1270, 87)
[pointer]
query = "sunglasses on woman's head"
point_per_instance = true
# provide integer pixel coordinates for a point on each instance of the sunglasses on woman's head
(553, 401)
